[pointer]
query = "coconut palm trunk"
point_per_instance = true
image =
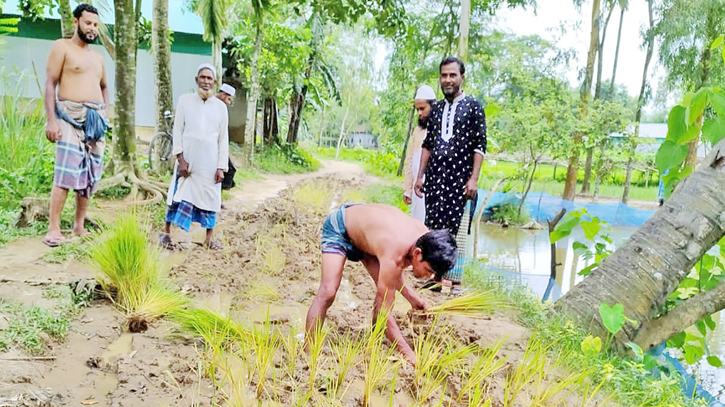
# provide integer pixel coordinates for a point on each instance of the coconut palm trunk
(161, 48)
(254, 92)
(648, 268)
(66, 18)
(640, 102)
(573, 168)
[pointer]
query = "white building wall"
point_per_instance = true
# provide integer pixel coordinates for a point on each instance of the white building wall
(22, 53)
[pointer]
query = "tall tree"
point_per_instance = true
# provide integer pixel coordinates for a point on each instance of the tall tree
(161, 48)
(643, 273)
(66, 18)
(686, 30)
(124, 165)
(215, 17)
(597, 93)
(571, 174)
(623, 5)
(650, 44)
(463, 30)
(260, 8)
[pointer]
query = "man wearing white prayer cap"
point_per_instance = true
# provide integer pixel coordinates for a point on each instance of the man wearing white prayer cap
(424, 98)
(201, 147)
(226, 94)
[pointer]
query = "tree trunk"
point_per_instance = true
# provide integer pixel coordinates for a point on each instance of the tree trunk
(463, 30)
(571, 173)
(322, 126)
(649, 267)
(528, 188)
(640, 100)
(341, 137)
(691, 159)
(597, 95)
(249, 133)
(66, 18)
(600, 56)
(161, 48)
(270, 128)
(125, 39)
(216, 59)
(411, 118)
(587, 170)
(616, 55)
(600, 173)
(298, 99)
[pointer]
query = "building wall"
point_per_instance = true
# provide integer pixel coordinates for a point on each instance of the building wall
(24, 54)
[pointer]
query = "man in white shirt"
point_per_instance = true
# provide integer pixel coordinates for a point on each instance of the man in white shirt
(201, 147)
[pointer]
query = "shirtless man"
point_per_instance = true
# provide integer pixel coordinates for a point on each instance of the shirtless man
(386, 241)
(76, 119)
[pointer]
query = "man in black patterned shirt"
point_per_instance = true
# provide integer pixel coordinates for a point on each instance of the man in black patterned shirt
(452, 152)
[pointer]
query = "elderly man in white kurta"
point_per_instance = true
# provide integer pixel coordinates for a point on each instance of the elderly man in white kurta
(201, 146)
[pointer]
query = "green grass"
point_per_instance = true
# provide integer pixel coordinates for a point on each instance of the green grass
(377, 193)
(509, 215)
(628, 381)
(384, 165)
(31, 328)
(286, 159)
(27, 165)
(79, 250)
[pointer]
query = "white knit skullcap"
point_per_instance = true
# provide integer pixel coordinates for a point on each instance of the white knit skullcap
(228, 89)
(208, 66)
(425, 92)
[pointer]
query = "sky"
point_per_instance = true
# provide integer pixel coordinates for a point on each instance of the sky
(550, 14)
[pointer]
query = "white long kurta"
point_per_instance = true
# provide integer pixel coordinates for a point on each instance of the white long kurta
(201, 134)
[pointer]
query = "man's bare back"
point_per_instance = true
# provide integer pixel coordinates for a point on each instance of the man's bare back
(382, 230)
(81, 72)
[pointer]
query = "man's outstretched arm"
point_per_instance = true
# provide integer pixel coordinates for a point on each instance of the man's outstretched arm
(384, 299)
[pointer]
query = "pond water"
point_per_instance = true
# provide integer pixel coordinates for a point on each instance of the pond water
(524, 256)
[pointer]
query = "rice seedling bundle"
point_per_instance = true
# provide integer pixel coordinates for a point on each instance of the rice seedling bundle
(470, 304)
(128, 268)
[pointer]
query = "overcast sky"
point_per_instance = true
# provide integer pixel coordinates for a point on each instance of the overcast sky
(551, 14)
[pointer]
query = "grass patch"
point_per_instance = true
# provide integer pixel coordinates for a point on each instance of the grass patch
(509, 215)
(8, 232)
(384, 165)
(285, 159)
(27, 164)
(377, 193)
(130, 271)
(32, 328)
(623, 380)
(68, 251)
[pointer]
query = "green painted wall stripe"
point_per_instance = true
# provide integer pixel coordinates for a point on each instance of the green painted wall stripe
(49, 29)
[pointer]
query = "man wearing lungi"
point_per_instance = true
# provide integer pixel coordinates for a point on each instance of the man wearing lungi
(201, 147)
(76, 119)
(451, 160)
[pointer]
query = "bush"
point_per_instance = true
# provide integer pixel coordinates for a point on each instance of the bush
(509, 215)
(285, 159)
(27, 164)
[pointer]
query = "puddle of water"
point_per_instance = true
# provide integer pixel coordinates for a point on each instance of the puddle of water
(121, 346)
(220, 302)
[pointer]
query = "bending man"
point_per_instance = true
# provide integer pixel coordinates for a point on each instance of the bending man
(386, 241)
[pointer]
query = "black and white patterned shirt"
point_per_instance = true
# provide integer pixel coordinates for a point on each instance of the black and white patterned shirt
(456, 131)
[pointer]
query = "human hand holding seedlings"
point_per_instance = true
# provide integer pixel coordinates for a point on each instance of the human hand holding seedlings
(383, 308)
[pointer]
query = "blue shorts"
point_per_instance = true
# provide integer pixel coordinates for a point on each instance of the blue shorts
(334, 235)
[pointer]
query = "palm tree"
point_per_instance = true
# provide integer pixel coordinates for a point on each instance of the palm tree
(650, 40)
(260, 8)
(215, 19)
(161, 48)
(464, 27)
(66, 18)
(571, 174)
(623, 5)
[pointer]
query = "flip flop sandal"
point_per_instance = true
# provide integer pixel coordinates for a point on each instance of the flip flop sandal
(213, 245)
(165, 241)
(53, 241)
